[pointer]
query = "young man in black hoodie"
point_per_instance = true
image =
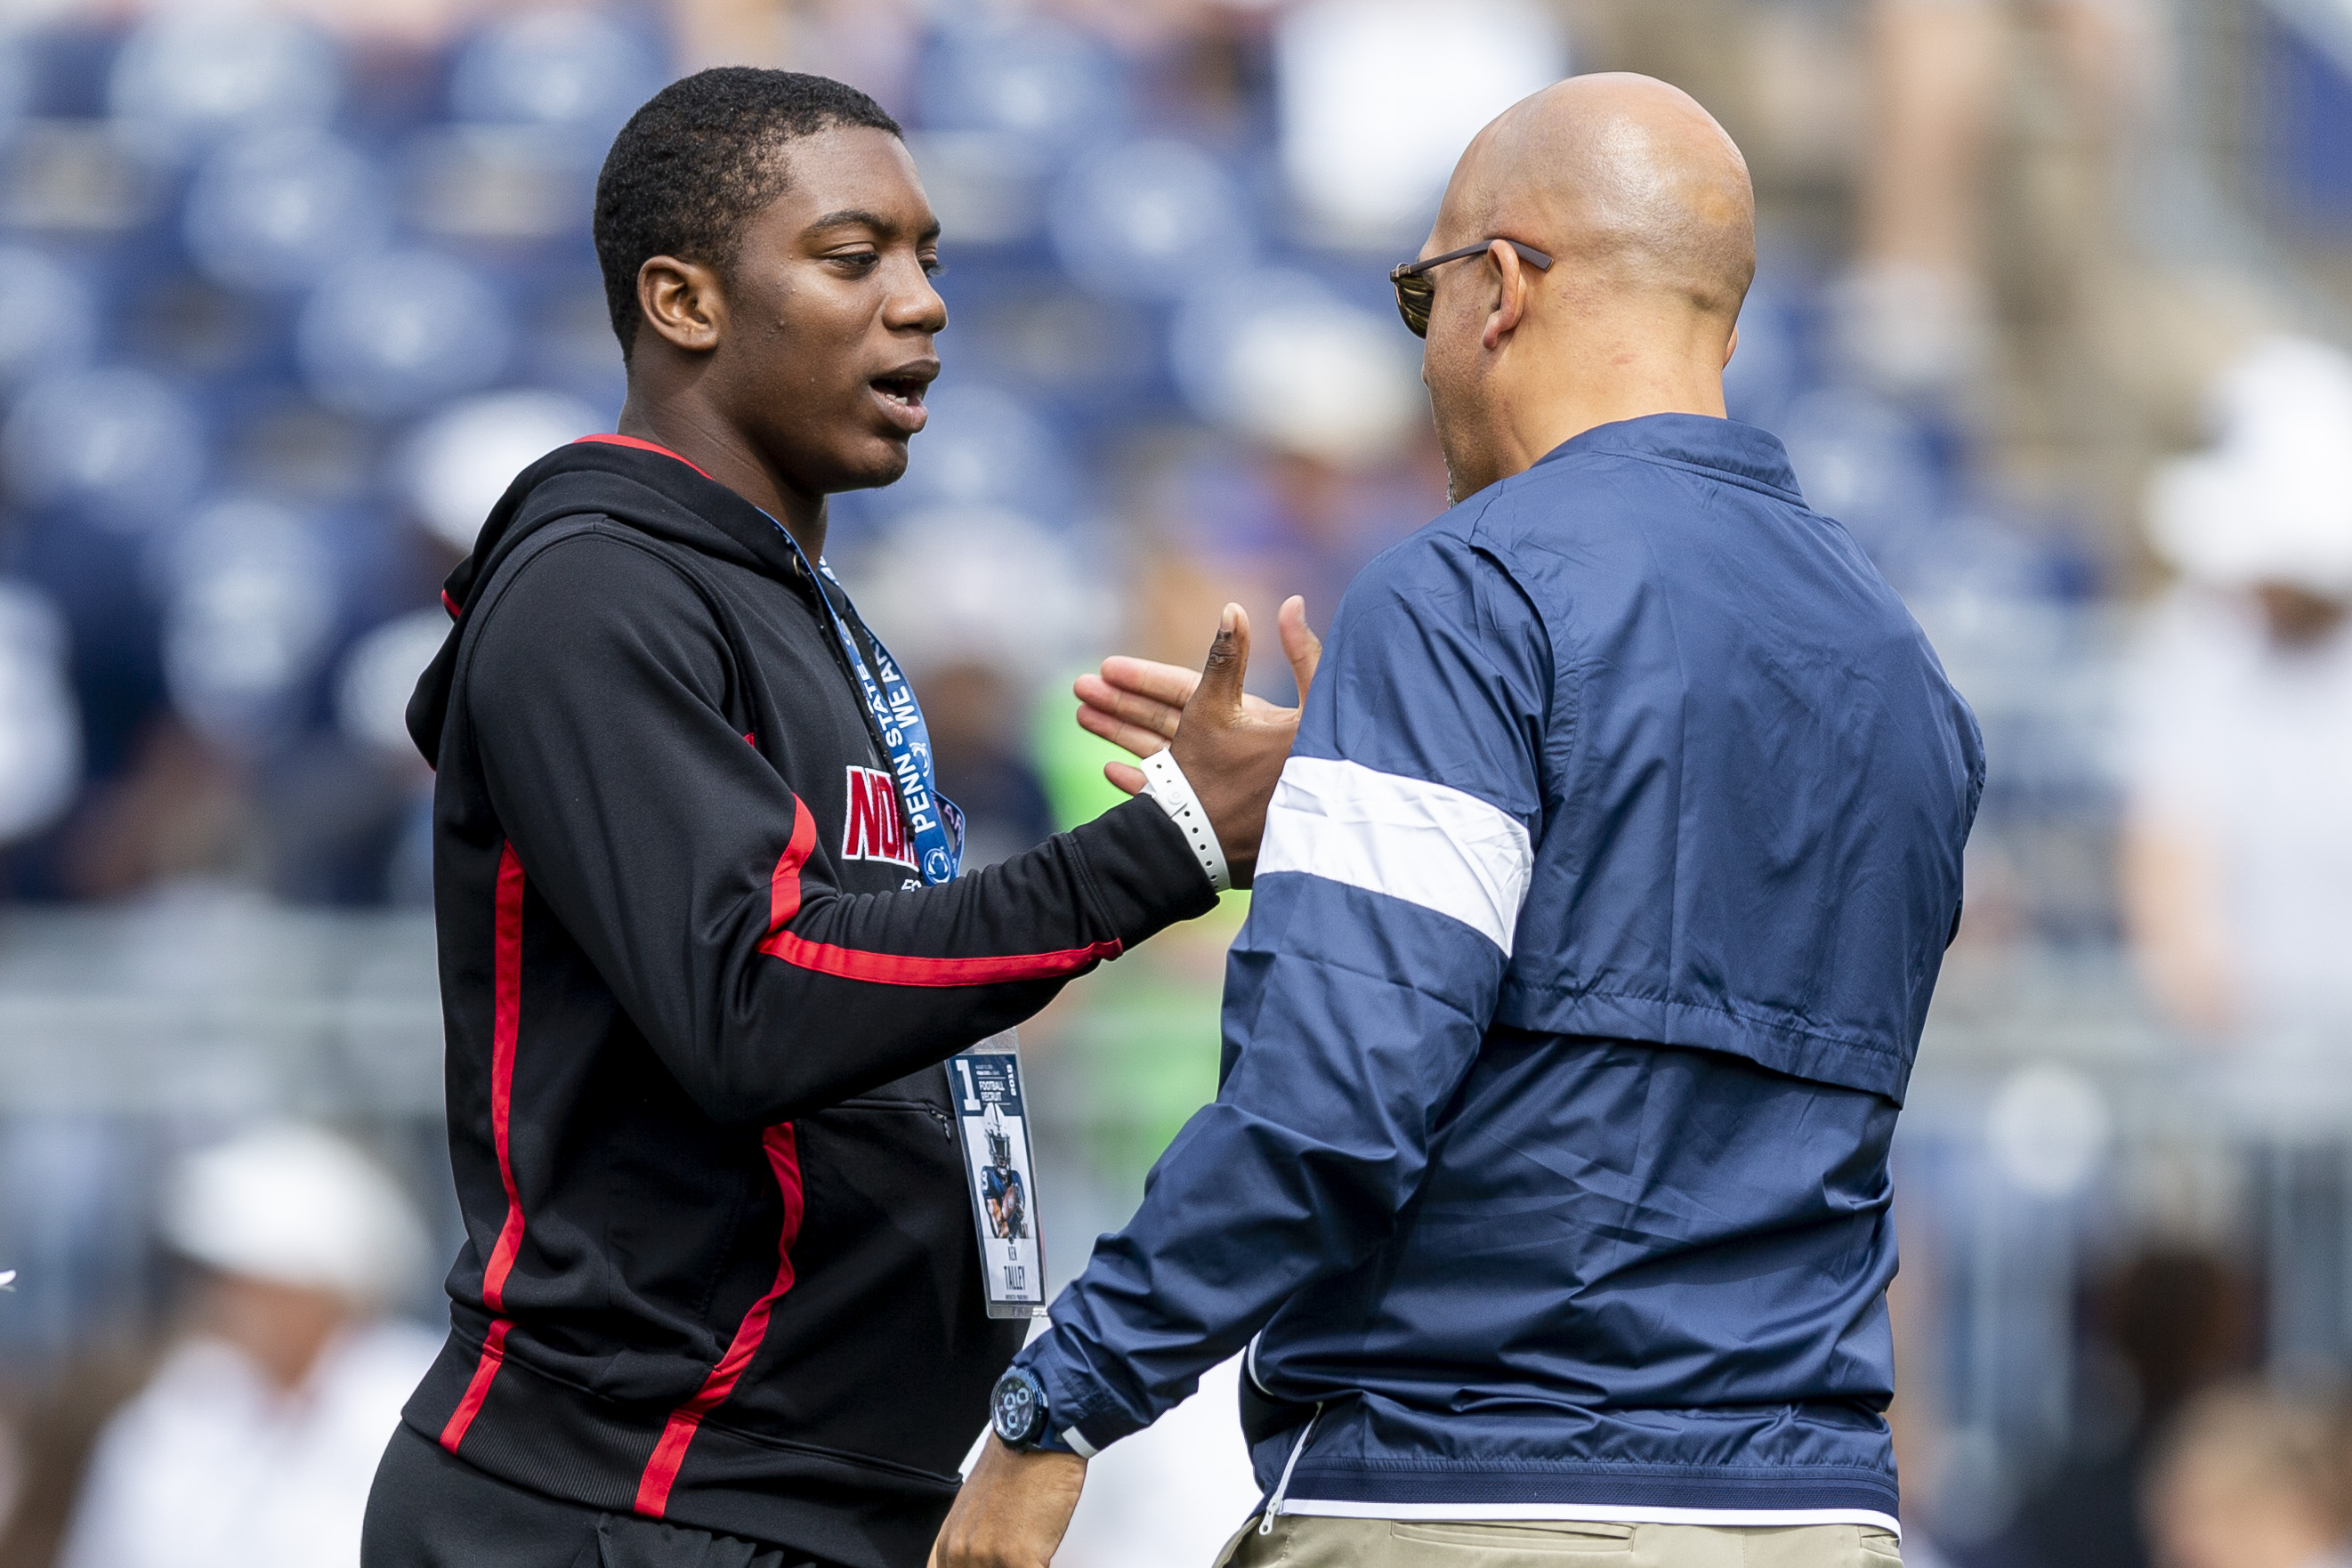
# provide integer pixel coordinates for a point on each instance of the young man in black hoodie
(703, 946)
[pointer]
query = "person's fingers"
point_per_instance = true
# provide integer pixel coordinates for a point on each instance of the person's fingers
(1134, 737)
(1149, 712)
(1126, 775)
(1147, 678)
(1158, 718)
(1220, 691)
(1300, 645)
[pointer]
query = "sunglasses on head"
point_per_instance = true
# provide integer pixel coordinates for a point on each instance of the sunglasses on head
(1414, 291)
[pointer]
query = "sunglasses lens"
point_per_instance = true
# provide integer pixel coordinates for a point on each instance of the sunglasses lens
(1413, 296)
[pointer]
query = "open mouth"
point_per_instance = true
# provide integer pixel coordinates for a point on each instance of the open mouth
(900, 396)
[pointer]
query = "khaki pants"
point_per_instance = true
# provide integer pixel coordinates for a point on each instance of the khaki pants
(1300, 1541)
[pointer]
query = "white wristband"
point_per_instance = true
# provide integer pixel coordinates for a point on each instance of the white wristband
(1165, 783)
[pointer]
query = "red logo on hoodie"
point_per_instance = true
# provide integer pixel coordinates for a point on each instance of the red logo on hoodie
(876, 830)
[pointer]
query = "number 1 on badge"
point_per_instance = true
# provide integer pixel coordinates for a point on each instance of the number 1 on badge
(993, 1132)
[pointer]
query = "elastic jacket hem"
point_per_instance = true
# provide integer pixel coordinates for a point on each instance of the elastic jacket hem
(566, 1442)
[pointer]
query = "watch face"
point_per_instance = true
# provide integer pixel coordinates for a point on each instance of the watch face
(1016, 1410)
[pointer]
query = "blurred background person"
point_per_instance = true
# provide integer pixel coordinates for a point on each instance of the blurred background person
(1920, 302)
(2237, 849)
(255, 1440)
(2161, 1324)
(2246, 1477)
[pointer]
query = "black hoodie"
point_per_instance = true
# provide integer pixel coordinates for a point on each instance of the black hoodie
(720, 1266)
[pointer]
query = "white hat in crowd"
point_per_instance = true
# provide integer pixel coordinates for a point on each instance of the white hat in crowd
(297, 1207)
(2267, 501)
(460, 461)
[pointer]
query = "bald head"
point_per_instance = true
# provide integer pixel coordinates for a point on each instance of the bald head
(1642, 204)
(1625, 178)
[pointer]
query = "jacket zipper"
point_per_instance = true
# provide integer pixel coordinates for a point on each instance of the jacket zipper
(1282, 1487)
(946, 1122)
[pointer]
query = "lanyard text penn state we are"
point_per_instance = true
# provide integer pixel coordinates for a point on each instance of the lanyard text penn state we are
(933, 819)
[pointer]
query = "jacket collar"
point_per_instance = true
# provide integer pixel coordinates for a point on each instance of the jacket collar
(1740, 452)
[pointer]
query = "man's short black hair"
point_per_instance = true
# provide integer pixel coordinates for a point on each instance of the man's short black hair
(692, 168)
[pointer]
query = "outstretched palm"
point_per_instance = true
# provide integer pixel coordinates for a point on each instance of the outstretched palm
(1139, 703)
(1231, 746)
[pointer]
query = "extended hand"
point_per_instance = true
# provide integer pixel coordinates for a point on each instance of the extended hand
(1137, 702)
(1230, 744)
(1013, 1511)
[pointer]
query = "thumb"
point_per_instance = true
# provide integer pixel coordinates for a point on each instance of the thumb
(1220, 691)
(1299, 643)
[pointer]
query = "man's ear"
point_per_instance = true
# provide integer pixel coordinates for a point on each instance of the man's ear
(682, 301)
(1731, 347)
(1509, 297)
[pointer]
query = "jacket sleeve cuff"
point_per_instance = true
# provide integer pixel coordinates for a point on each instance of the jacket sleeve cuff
(1143, 870)
(1079, 1409)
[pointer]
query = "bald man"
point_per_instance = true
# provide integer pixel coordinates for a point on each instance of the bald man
(1595, 922)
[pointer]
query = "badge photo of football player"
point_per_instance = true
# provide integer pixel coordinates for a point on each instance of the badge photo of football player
(1000, 1183)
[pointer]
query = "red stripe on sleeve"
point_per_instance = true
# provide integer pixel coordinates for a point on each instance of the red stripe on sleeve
(677, 1435)
(899, 969)
(894, 968)
(451, 605)
(641, 446)
(784, 884)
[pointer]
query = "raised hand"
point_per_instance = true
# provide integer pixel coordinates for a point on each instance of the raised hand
(1137, 703)
(1230, 744)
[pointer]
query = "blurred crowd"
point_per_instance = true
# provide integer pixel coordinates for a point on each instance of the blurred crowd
(2052, 314)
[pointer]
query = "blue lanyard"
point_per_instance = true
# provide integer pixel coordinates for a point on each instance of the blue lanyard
(935, 821)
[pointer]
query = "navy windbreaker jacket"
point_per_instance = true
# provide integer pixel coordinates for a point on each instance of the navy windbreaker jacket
(1595, 923)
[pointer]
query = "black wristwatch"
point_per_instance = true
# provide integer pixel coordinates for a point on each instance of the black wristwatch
(1016, 1410)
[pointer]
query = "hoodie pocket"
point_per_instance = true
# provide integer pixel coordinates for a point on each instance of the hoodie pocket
(939, 1118)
